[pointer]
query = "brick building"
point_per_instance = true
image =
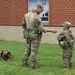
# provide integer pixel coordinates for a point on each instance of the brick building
(58, 11)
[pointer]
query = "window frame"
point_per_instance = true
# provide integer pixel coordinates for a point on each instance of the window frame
(48, 11)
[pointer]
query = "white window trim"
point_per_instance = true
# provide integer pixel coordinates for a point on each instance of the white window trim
(48, 12)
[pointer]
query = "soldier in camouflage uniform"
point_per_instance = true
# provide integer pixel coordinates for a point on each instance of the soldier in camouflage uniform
(66, 42)
(33, 29)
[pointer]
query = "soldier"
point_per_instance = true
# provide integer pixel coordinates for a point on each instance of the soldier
(33, 29)
(66, 42)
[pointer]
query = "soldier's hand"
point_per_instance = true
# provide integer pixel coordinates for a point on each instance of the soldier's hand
(53, 31)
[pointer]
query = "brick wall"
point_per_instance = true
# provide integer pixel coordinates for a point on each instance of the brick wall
(62, 10)
(12, 11)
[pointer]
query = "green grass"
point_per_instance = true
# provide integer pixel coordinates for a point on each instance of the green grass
(49, 59)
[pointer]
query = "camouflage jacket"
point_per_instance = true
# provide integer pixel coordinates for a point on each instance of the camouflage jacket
(66, 36)
(32, 20)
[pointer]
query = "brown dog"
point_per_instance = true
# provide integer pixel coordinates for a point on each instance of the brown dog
(5, 54)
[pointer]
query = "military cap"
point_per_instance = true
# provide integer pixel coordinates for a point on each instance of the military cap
(67, 24)
(40, 6)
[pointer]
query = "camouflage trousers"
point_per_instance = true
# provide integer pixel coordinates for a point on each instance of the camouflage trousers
(67, 56)
(31, 49)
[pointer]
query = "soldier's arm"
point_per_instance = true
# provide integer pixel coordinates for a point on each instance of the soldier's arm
(73, 38)
(43, 29)
(46, 29)
(71, 35)
(24, 23)
(53, 31)
(61, 36)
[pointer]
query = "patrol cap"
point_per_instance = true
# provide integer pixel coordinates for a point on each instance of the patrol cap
(40, 6)
(68, 24)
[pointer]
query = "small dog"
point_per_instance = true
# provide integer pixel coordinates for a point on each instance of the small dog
(5, 54)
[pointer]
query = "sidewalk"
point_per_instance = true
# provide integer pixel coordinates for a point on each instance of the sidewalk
(14, 33)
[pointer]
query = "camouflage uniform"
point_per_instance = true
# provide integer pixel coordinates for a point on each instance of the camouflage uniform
(33, 29)
(66, 41)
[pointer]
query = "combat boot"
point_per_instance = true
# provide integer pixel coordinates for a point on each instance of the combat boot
(66, 68)
(33, 65)
(25, 63)
(71, 67)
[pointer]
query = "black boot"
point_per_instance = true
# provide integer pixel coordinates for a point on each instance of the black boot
(33, 65)
(25, 64)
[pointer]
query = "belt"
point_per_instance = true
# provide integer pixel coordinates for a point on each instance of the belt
(29, 29)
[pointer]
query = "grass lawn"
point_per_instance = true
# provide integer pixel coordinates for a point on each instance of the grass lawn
(49, 59)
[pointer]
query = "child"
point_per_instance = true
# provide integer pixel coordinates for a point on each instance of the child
(66, 42)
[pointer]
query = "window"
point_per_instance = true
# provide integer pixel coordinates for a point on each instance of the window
(45, 3)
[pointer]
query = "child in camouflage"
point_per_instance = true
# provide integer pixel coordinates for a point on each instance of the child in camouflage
(66, 41)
